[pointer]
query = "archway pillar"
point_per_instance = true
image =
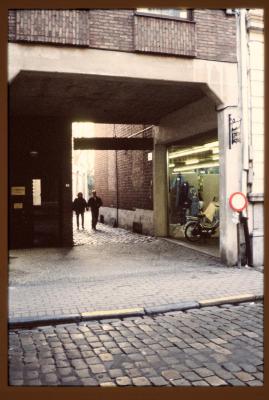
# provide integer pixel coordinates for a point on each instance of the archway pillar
(230, 158)
(160, 215)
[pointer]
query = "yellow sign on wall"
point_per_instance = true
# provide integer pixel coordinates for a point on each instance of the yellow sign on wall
(18, 205)
(18, 190)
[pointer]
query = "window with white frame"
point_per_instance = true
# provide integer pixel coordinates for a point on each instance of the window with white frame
(181, 13)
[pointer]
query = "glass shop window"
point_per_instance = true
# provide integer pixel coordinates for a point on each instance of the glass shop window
(181, 13)
(36, 186)
(193, 180)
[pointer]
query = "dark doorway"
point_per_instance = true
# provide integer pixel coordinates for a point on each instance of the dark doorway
(45, 211)
(35, 176)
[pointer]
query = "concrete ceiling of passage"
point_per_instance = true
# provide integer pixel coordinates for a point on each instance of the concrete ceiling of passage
(97, 98)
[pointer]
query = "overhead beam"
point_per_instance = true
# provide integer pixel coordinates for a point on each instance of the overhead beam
(105, 143)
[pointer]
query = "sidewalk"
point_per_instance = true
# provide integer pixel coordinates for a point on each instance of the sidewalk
(114, 269)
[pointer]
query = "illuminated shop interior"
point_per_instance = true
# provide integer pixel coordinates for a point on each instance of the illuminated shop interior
(193, 173)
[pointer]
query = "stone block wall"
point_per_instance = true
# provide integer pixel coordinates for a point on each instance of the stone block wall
(256, 91)
(256, 212)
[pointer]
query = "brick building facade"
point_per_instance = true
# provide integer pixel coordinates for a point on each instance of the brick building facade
(130, 187)
(126, 70)
(206, 34)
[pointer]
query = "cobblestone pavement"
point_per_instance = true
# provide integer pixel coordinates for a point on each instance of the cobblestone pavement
(118, 269)
(106, 234)
(211, 346)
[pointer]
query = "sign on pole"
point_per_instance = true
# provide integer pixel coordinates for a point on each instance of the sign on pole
(238, 201)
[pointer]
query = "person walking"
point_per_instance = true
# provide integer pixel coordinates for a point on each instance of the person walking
(79, 206)
(94, 203)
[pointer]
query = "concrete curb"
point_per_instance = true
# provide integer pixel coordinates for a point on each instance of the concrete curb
(121, 313)
(230, 300)
(32, 322)
(181, 306)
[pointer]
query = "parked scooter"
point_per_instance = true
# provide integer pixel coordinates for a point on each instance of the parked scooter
(204, 225)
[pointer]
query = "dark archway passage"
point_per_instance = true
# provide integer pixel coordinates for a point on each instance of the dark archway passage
(42, 107)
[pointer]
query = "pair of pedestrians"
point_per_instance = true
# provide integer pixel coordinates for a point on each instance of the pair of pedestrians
(80, 204)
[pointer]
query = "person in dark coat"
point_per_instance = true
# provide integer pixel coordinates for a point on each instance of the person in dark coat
(94, 203)
(79, 206)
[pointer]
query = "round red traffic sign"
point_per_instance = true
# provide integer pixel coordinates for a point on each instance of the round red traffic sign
(238, 201)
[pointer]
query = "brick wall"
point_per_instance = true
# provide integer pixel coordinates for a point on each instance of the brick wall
(134, 171)
(211, 35)
(11, 25)
(104, 167)
(111, 29)
(52, 26)
(215, 35)
(164, 36)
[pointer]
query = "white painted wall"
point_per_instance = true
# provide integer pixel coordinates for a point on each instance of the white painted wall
(214, 77)
(256, 84)
(197, 117)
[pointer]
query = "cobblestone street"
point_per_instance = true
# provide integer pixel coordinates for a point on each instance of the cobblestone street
(105, 234)
(112, 269)
(118, 269)
(212, 346)
(134, 233)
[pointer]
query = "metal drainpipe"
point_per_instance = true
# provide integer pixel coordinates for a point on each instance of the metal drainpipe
(244, 105)
(117, 181)
(243, 96)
